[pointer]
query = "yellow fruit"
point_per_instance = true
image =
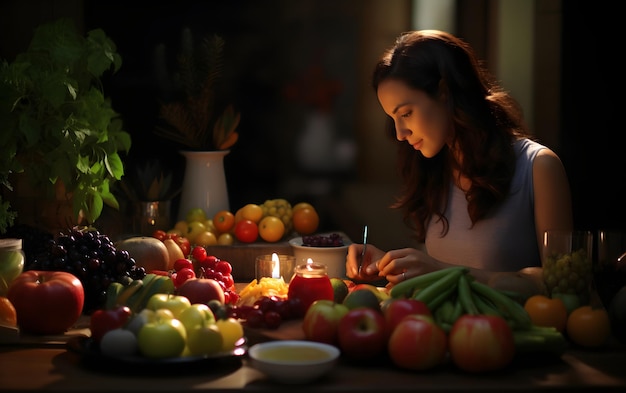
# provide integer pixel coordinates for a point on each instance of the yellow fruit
(280, 208)
(231, 330)
(271, 229)
(209, 225)
(174, 251)
(175, 231)
(252, 212)
(181, 226)
(148, 252)
(305, 221)
(206, 238)
(225, 239)
(195, 228)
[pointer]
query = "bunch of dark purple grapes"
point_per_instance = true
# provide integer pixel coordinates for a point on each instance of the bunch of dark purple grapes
(93, 258)
(332, 240)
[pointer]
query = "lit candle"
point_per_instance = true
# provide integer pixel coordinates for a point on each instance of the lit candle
(276, 266)
(310, 283)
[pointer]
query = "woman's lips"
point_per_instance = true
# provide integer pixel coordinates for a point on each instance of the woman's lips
(418, 145)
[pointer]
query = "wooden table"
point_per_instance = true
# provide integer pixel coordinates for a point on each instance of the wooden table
(46, 364)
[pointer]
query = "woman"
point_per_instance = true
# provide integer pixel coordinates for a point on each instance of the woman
(478, 191)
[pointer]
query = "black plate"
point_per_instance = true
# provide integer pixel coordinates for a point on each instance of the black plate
(90, 352)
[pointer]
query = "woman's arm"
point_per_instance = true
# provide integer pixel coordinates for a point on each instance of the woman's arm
(553, 204)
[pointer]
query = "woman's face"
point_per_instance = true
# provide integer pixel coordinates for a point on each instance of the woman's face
(419, 120)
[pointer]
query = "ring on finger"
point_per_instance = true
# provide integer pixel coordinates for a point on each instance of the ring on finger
(403, 276)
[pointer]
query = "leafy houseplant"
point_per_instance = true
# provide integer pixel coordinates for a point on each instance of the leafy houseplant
(56, 126)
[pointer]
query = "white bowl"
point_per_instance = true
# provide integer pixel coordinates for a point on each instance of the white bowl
(333, 257)
(293, 361)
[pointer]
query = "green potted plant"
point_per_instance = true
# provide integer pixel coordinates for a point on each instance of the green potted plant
(57, 128)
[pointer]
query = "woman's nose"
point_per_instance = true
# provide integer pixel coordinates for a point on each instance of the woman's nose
(401, 132)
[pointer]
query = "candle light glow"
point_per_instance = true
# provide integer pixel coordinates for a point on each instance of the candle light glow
(275, 266)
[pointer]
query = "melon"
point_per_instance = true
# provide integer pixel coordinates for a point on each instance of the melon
(148, 252)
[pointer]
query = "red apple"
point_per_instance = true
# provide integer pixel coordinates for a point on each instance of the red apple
(321, 321)
(417, 343)
(362, 334)
(480, 343)
(394, 310)
(201, 290)
(46, 302)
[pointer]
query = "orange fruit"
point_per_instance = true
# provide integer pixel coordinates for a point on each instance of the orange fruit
(305, 220)
(252, 212)
(8, 315)
(301, 205)
(224, 221)
(271, 229)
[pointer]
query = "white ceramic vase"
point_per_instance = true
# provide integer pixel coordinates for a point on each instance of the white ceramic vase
(204, 183)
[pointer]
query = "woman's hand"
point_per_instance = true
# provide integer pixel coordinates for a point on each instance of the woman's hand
(399, 265)
(369, 271)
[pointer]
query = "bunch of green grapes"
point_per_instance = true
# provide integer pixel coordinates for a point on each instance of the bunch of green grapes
(280, 208)
(568, 273)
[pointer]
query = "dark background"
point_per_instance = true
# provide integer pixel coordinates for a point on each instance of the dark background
(272, 46)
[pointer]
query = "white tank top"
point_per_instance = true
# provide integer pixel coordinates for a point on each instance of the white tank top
(506, 239)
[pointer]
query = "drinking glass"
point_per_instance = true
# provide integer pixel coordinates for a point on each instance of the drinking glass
(567, 263)
(610, 268)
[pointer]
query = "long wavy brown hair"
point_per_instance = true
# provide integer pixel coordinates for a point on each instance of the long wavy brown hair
(486, 121)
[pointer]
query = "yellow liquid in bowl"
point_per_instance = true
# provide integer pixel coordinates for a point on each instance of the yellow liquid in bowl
(293, 354)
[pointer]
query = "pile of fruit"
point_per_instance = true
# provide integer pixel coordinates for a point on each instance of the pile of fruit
(271, 221)
(447, 314)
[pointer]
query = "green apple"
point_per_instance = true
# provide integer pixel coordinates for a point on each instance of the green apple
(139, 319)
(163, 338)
(204, 339)
(196, 215)
(196, 315)
(176, 304)
(11, 262)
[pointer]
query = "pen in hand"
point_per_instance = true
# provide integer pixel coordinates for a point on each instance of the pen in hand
(364, 248)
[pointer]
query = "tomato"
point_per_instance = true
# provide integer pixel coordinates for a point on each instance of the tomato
(46, 302)
(183, 262)
(159, 234)
(305, 220)
(198, 253)
(224, 221)
(545, 311)
(246, 231)
(589, 327)
(271, 229)
(480, 343)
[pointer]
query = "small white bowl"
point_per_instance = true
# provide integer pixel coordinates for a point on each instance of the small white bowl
(333, 257)
(293, 361)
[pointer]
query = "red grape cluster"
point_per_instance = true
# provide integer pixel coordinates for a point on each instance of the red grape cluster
(332, 240)
(267, 312)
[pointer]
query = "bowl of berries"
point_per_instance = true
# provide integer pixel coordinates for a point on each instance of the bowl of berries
(329, 249)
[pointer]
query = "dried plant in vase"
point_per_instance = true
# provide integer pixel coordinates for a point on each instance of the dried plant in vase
(197, 122)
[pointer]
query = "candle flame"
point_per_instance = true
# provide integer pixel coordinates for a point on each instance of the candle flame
(309, 262)
(275, 266)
